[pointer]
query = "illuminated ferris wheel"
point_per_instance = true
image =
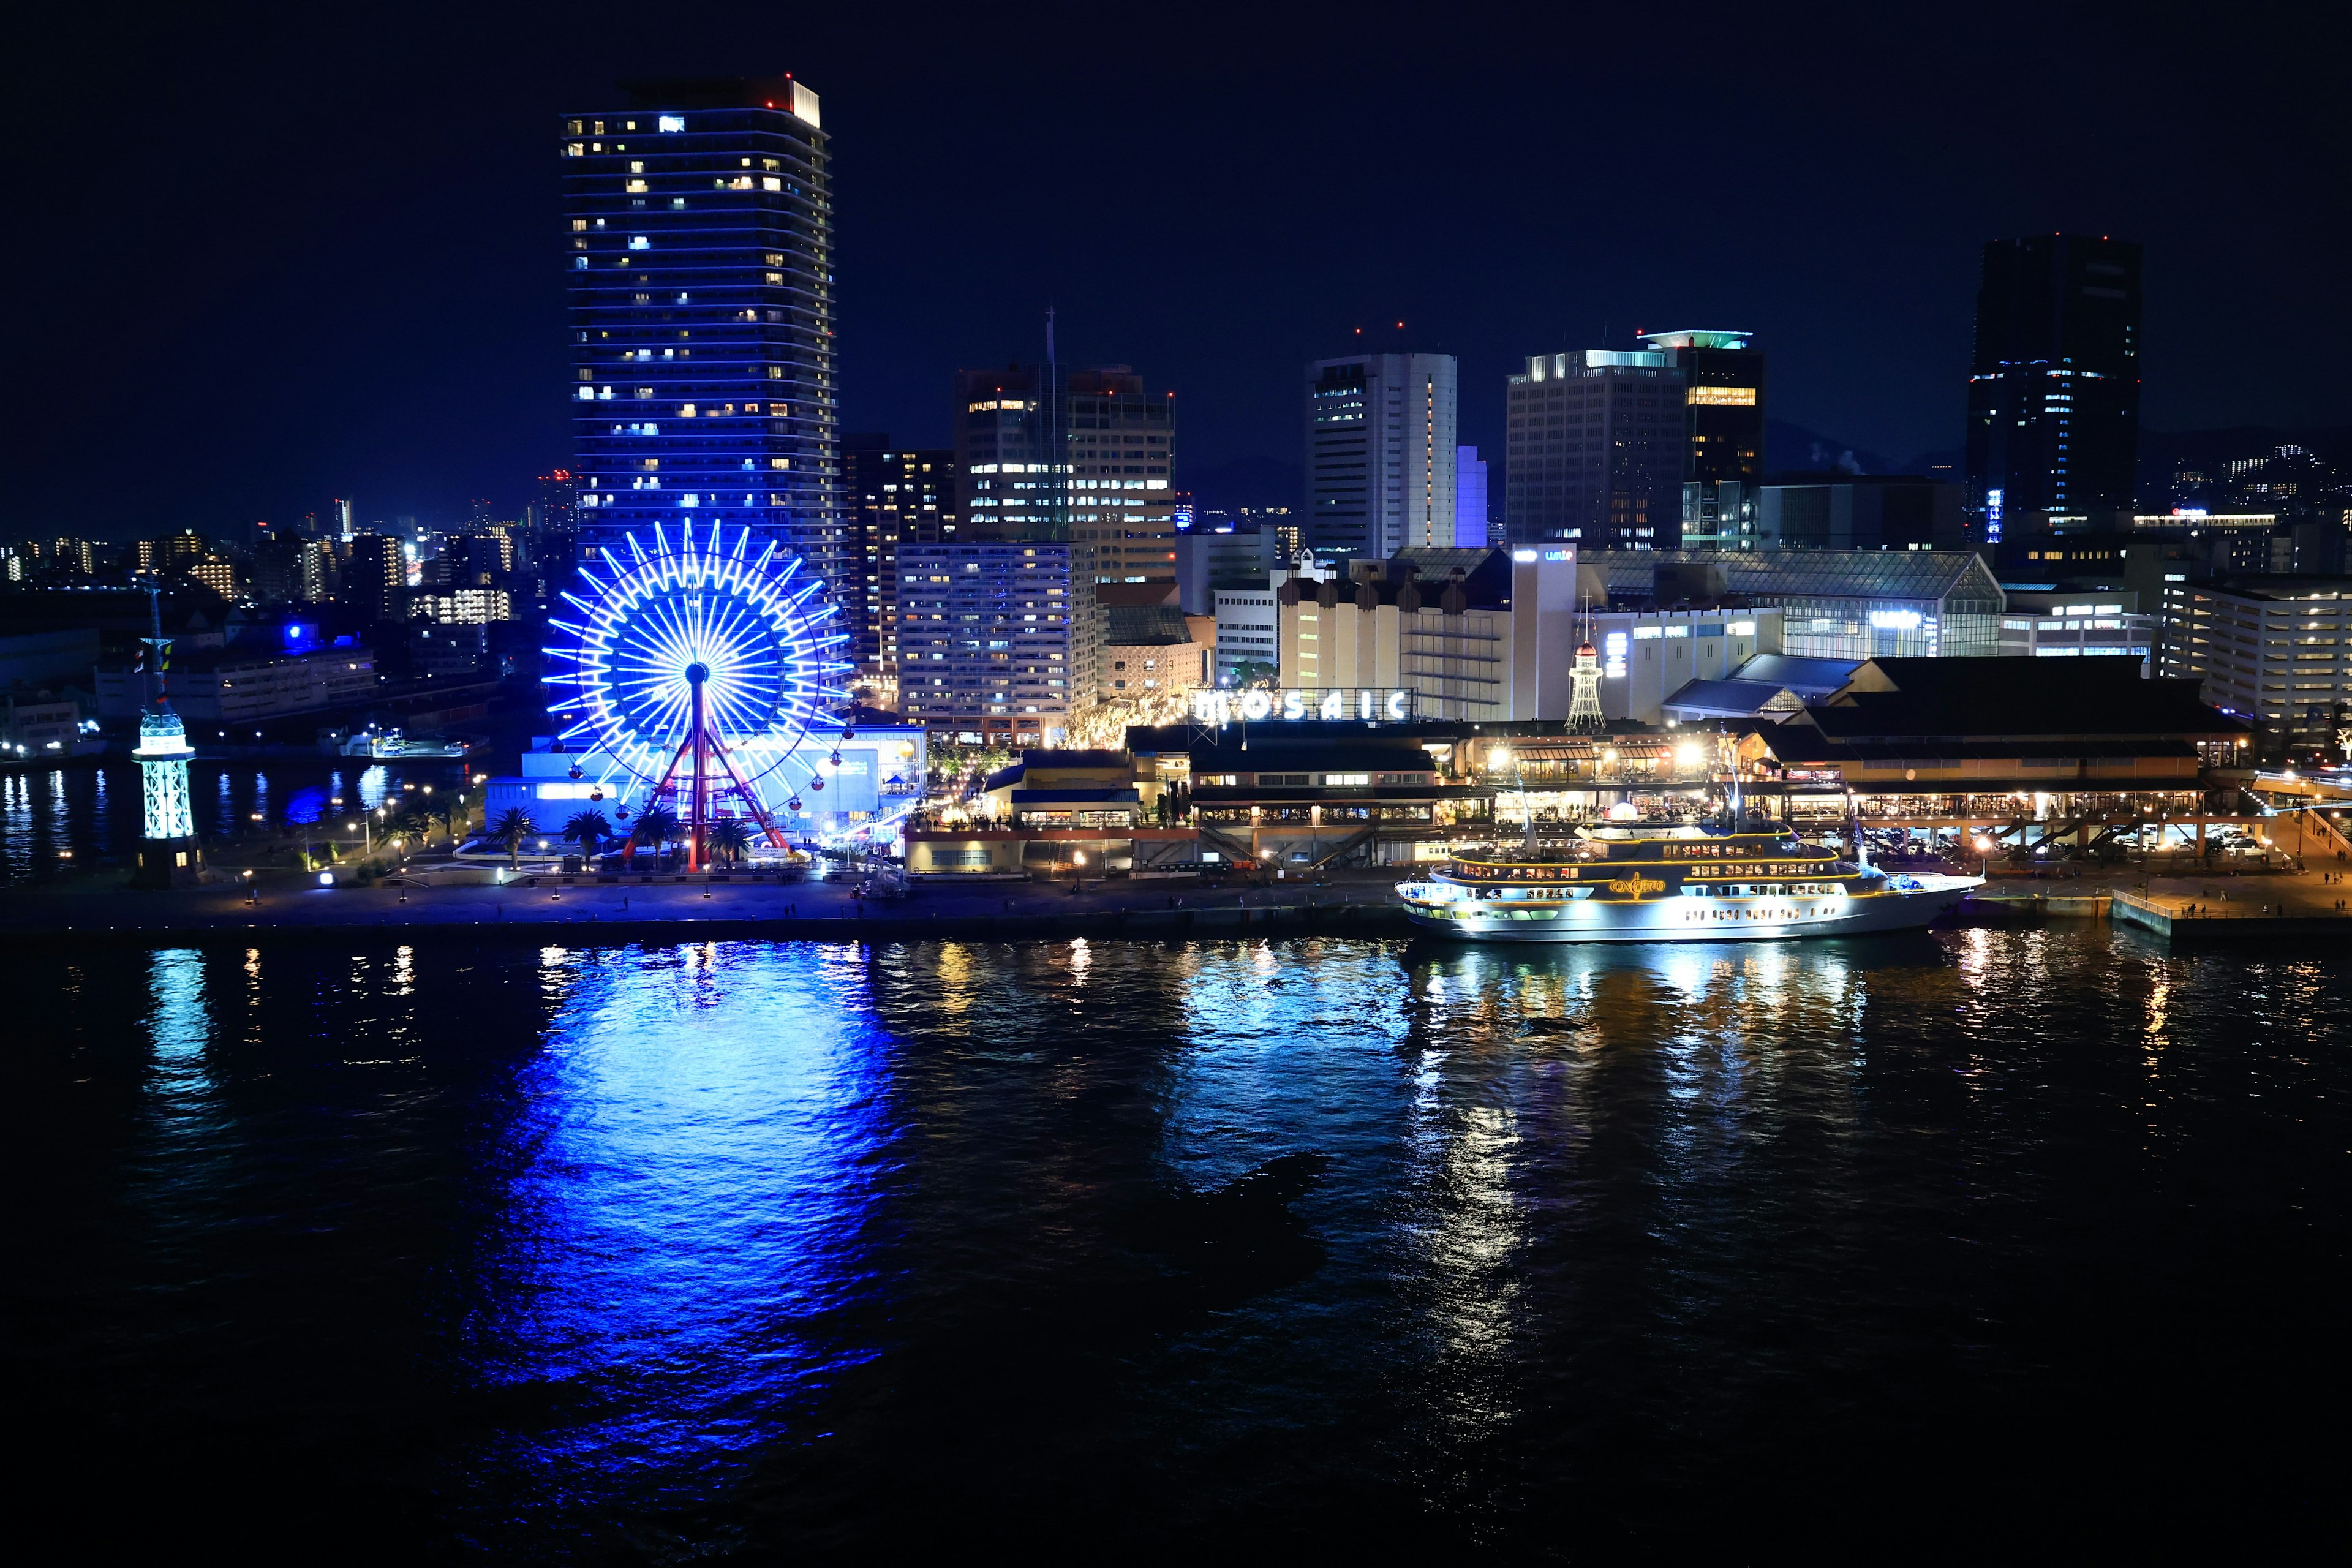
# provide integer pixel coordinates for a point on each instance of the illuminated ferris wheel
(704, 675)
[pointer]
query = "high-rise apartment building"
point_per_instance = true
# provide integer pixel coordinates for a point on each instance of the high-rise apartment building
(2053, 384)
(985, 641)
(1380, 453)
(375, 577)
(556, 511)
(700, 235)
(1083, 456)
(1723, 431)
(172, 552)
(894, 496)
(1122, 473)
(1594, 450)
(1068, 455)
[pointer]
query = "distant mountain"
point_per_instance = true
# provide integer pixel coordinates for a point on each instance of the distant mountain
(1792, 448)
(1244, 481)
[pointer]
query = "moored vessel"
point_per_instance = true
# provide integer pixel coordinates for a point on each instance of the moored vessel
(1673, 883)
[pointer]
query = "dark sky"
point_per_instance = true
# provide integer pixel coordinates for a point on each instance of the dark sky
(260, 257)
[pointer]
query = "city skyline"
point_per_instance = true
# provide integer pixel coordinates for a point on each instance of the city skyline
(417, 189)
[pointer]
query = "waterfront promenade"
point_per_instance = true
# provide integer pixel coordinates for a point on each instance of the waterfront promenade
(675, 908)
(669, 908)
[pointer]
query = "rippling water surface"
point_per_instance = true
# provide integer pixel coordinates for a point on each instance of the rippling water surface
(749, 1251)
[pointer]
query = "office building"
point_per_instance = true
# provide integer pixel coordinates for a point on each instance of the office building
(1082, 457)
(1122, 477)
(1064, 454)
(1207, 562)
(1594, 450)
(2046, 624)
(1012, 452)
(984, 641)
(296, 571)
(1723, 432)
(700, 235)
(1833, 604)
(1380, 453)
(1469, 499)
(1249, 635)
(893, 496)
(1858, 511)
(2270, 649)
(2053, 384)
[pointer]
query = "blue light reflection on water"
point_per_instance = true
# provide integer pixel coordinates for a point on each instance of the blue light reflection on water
(698, 1162)
(748, 1241)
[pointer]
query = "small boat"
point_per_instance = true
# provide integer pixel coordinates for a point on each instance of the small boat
(1658, 882)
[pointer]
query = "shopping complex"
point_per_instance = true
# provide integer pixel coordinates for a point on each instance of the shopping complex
(1972, 754)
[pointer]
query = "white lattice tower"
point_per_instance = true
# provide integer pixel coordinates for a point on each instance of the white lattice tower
(1584, 692)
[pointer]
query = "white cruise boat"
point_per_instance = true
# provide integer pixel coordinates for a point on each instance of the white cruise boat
(1672, 883)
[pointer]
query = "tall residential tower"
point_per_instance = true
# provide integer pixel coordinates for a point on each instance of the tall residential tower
(700, 248)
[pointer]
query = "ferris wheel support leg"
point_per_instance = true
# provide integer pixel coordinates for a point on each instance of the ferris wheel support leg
(750, 799)
(696, 839)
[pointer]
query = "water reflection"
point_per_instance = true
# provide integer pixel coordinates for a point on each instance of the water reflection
(740, 1248)
(87, 817)
(696, 1161)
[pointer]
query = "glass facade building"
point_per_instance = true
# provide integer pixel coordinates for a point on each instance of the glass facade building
(699, 247)
(2053, 386)
(1833, 604)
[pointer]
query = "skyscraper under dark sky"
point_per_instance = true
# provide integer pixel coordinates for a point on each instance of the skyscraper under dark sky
(700, 248)
(1595, 449)
(1723, 429)
(2054, 388)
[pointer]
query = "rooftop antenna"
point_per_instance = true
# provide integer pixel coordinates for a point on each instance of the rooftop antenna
(1049, 335)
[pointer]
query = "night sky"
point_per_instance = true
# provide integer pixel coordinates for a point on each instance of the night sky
(259, 261)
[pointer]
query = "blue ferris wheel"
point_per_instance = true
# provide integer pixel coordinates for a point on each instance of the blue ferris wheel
(703, 676)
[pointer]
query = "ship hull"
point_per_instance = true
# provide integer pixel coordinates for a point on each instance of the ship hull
(1777, 919)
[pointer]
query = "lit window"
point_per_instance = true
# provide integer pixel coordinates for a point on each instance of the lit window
(671, 123)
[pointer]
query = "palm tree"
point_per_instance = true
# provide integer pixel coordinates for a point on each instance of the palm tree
(410, 822)
(657, 827)
(446, 816)
(587, 829)
(729, 837)
(513, 825)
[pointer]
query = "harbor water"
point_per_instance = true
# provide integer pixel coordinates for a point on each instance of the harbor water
(754, 1251)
